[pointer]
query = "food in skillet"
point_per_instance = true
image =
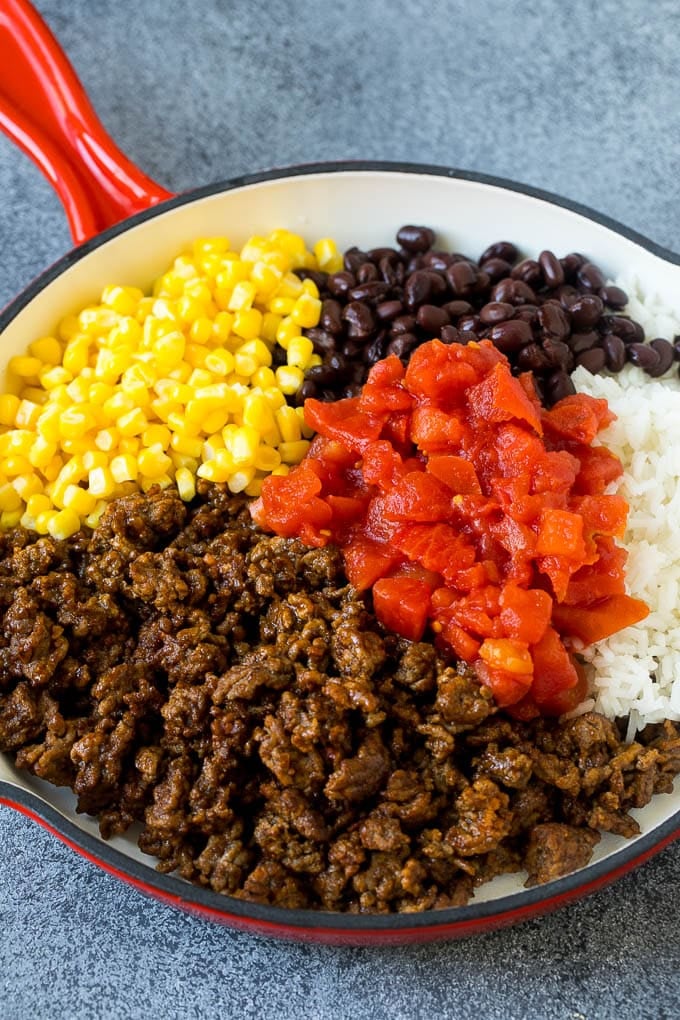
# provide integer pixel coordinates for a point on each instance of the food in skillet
(229, 690)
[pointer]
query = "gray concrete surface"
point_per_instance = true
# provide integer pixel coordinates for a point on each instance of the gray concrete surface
(581, 99)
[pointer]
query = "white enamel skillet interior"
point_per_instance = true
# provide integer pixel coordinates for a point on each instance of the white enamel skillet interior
(362, 204)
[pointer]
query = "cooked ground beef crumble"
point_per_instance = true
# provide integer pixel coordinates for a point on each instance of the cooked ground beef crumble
(229, 691)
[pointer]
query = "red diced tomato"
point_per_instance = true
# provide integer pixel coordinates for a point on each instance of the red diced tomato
(402, 604)
(500, 397)
(599, 620)
(525, 615)
(456, 472)
(507, 688)
(366, 561)
(417, 496)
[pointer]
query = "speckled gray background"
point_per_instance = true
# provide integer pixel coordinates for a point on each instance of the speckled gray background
(582, 99)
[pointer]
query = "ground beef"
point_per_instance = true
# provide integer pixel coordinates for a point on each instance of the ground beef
(229, 691)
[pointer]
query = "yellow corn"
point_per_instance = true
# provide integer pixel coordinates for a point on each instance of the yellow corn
(158, 388)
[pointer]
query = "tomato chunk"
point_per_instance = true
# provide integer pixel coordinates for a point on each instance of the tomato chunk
(402, 604)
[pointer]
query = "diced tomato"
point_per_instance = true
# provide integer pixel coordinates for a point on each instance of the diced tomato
(437, 373)
(366, 561)
(525, 615)
(402, 604)
(554, 672)
(599, 620)
(599, 468)
(464, 645)
(344, 421)
(418, 496)
(456, 472)
(434, 430)
(602, 515)
(555, 471)
(595, 581)
(577, 417)
(560, 533)
(500, 397)
(438, 547)
(381, 464)
(507, 688)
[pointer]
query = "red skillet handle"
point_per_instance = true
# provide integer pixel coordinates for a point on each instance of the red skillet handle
(45, 110)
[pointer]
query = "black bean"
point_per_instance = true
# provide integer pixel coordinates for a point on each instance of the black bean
(510, 336)
(353, 349)
(589, 277)
(378, 254)
(533, 358)
(527, 313)
(571, 264)
(450, 335)
(458, 308)
(505, 250)
(496, 269)
(417, 288)
(496, 311)
(388, 310)
(593, 360)
(529, 271)
(631, 332)
(354, 258)
(613, 296)
(558, 385)
(371, 290)
(553, 320)
(462, 277)
(331, 317)
(367, 272)
(340, 283)
(469, 324)
(308, 389)
(465, 336)
(390, 272)
(551, 267)
(615, 351)
(375, 350)
(402, 345)
(438, 283)
(643, 355)
(322, 340)
(567, 296)
(432, 319)
(666, 354)
(403, 324)
(586, 311)
(359, 318)
(515, 292)
(558, 354)
(436, 260)
(414, 238)
(579, 342)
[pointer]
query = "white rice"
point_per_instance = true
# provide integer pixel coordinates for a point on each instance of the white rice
(636, 672)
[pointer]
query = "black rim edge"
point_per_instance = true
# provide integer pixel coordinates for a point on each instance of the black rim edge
(307, 169)
(491, 912)
(185, 894)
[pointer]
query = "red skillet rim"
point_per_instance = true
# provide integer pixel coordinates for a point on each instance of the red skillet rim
(447, 922)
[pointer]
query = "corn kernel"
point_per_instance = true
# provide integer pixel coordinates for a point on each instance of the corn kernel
(186, 484)
(50, 378)
(270, 324)
(63, 524)
(156, 433)
(328, 256)
(25, 366)
(292, 453)
(9, 405)
(257, 413)
(42, 521)
(94, 458)
(107, 439)
(201, 330)
(247, 323)
(124, 468)
(37, 504)
(281, 305)
(288, 329)
(289, 378)
(79, 500)
(15, 464)
(76, 354)
(222, 324)
(307, 310)
(132, 423)
(288, 424)
(101, 482)
(153, 461)
(240, 479)
(74, 422)
(27, 485)
(47, 350)
(310, 287)
(10, 519)
(192, 446)
(267, 458)
(10, 498)
(300, 350)
(264, 378)
(123, 300)
(254, 488)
